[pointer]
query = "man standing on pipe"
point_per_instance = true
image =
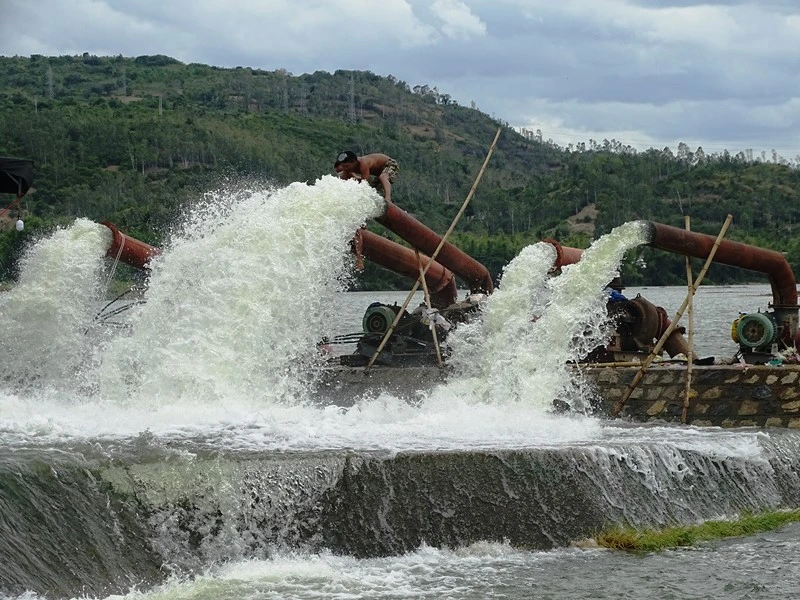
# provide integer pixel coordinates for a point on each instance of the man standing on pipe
(380, 166)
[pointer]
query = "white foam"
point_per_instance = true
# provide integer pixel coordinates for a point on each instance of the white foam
(235, 305)
(428, 572)
(486, 353)
(239, 297)
(534, 324)
(384, 423)
(44, 317)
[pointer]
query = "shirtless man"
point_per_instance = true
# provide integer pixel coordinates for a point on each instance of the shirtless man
(383, 168)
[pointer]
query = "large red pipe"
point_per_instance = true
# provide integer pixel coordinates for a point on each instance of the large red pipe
(419, 236)
(744, 256)
(565, 255)
(403, 261)
(736, 254)
(385, 253)
(129, 250)
(699, 245)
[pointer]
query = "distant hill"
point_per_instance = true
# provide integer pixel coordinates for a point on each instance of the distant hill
(131, 140)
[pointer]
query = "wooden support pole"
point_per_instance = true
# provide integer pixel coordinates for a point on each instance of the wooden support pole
(689, 359)
(660, 344)
(439, 362)
(450, 229)
(612, 365)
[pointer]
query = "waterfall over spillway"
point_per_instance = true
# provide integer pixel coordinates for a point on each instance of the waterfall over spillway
(127, 516)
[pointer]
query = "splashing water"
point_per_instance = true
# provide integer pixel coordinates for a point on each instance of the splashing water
(237, 301)
(44, 317)
(485, 351)
(533, 325)
(235, 305)
(576, 321)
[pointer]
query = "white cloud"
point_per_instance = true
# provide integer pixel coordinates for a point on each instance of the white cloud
(217, 31)
(721, 72)
(458, 21)
(736, 126)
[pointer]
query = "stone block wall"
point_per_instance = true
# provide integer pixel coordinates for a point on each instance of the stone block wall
(725, 396)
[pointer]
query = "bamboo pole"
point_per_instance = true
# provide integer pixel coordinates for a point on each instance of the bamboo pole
(689, 359)
(617, 364)
(439, 362)
(692, 289)
(414, 289)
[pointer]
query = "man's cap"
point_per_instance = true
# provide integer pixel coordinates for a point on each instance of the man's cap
(346, 156)
(616, 284)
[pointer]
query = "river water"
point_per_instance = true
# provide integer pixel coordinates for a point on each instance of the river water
(184, 456)
(763, 566)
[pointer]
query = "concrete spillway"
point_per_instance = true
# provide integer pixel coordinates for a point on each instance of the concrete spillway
(113, 517)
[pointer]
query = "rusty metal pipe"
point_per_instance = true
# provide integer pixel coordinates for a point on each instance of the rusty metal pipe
(565, 255)
(426, 240)
(403, 261)
(129, 250)
(737, 254)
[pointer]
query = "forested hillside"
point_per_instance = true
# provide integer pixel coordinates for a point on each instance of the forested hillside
(132, 140)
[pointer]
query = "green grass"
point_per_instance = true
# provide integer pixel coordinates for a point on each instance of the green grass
(652, 540)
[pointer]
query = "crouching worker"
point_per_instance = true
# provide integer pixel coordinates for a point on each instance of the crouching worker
(378, 170)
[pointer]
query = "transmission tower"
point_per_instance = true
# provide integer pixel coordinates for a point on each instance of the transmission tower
(351, 112)
(303, 99)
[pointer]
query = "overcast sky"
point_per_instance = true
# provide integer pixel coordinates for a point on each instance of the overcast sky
(724, 74)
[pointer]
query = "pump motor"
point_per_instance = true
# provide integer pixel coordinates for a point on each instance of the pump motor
(378, 318)
(755, 331)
